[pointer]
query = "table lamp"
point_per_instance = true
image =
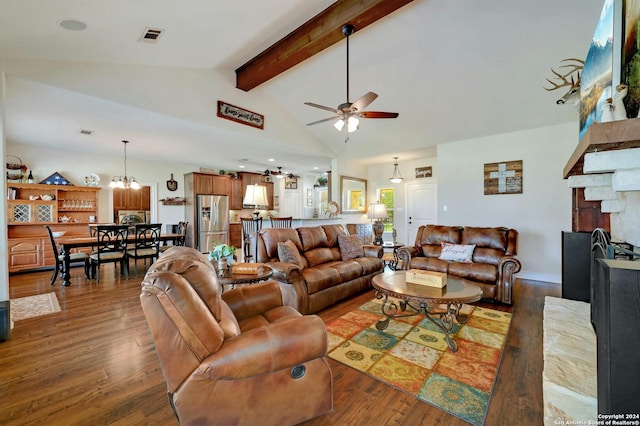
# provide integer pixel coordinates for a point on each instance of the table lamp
(377, 212)
(256, 196)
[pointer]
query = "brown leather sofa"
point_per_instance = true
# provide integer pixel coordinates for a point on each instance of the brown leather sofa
(492, 266)
(238, 358)
(323, 278)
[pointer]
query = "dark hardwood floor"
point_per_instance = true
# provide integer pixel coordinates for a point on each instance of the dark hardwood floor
(95, 363)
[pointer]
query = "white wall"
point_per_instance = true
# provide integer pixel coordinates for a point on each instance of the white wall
(379, 178)
(539, 214)
(75, 166)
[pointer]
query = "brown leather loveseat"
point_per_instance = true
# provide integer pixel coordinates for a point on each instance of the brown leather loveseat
(326, 270)
(491, 265)
(238, 358)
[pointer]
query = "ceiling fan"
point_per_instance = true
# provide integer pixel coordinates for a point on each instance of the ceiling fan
(348, 113)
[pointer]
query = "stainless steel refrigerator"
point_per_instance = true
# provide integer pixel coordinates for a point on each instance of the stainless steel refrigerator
(213, 221)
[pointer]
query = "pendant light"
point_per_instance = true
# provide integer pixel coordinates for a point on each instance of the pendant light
(397, 177)
(124, 182)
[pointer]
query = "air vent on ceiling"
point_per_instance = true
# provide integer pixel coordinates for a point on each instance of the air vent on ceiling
(151, 35)
(86, 132)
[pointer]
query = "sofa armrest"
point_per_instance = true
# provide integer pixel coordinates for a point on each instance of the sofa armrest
(405, 253)
(372, 250)
(267, 349)
(507, 267)
(250, 300)
(283, 272)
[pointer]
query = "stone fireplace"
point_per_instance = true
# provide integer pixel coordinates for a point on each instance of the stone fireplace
(606, 164)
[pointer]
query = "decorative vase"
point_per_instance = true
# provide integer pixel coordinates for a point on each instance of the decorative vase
(222, 264)
(229, 261)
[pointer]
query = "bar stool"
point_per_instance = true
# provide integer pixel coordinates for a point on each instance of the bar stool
(281, 222)
(250, 228)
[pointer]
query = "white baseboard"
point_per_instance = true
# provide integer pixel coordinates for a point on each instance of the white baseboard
(539, 276)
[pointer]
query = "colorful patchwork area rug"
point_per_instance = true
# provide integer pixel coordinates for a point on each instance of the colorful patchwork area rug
(34, 306)
(411, 354)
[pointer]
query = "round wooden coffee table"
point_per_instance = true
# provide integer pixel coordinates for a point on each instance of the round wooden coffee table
(454, 294)
(231, 279)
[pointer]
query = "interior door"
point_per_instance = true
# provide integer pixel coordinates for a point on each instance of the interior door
(422, 207)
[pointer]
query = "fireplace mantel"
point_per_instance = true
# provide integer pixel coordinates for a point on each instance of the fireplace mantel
(608, 136)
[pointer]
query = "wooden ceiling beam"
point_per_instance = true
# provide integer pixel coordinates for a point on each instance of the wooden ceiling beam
(315, 35)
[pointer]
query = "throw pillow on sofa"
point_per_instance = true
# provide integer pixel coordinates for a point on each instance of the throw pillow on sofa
(457, 252)
(288, 253)
(350, 246)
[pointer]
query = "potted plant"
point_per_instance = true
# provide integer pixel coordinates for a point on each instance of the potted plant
(222, 254)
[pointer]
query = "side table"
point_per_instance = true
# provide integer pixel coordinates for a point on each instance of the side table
(227, 278)
(391, 260)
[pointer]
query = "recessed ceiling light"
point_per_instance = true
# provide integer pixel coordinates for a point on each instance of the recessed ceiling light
(315, 167)
(271, 160)
(241, 166)
(72, 24)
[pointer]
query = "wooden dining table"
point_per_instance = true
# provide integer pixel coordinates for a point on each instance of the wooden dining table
(67, 244)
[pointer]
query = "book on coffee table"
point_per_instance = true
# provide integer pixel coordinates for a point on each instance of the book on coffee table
(428, 278)
(245, 268)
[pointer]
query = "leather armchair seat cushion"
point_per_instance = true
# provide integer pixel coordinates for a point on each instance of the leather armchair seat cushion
(281, 313)
(481, 272)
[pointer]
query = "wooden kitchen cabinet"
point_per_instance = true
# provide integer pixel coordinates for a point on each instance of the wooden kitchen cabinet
(131, 199)
(257, 179)
(237, 194)
(235, 237)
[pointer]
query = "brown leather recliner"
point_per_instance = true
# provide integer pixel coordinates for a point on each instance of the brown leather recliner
(238, 358)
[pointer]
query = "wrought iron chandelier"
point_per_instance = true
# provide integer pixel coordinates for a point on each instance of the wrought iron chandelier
(124, 182)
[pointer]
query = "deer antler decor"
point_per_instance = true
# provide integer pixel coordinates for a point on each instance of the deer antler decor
(573, 94)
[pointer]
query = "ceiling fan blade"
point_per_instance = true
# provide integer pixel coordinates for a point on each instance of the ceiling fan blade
(377, 114)
(323, 120)
(364, 101)
(321, 107)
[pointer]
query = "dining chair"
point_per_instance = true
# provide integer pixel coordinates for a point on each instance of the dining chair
(146, 244)
(59, 258)
(250, 228)
(182, 230)
(111, 247)
(281, 222)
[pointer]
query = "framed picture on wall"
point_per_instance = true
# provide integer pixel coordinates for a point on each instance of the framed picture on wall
(290, 183)
(503, 178)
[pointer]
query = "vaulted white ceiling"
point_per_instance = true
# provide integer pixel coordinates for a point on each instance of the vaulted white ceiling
(453, 70)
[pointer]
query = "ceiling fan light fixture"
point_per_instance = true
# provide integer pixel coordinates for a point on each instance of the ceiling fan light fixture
(396, 177)
(339, 125)
(353, 124)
